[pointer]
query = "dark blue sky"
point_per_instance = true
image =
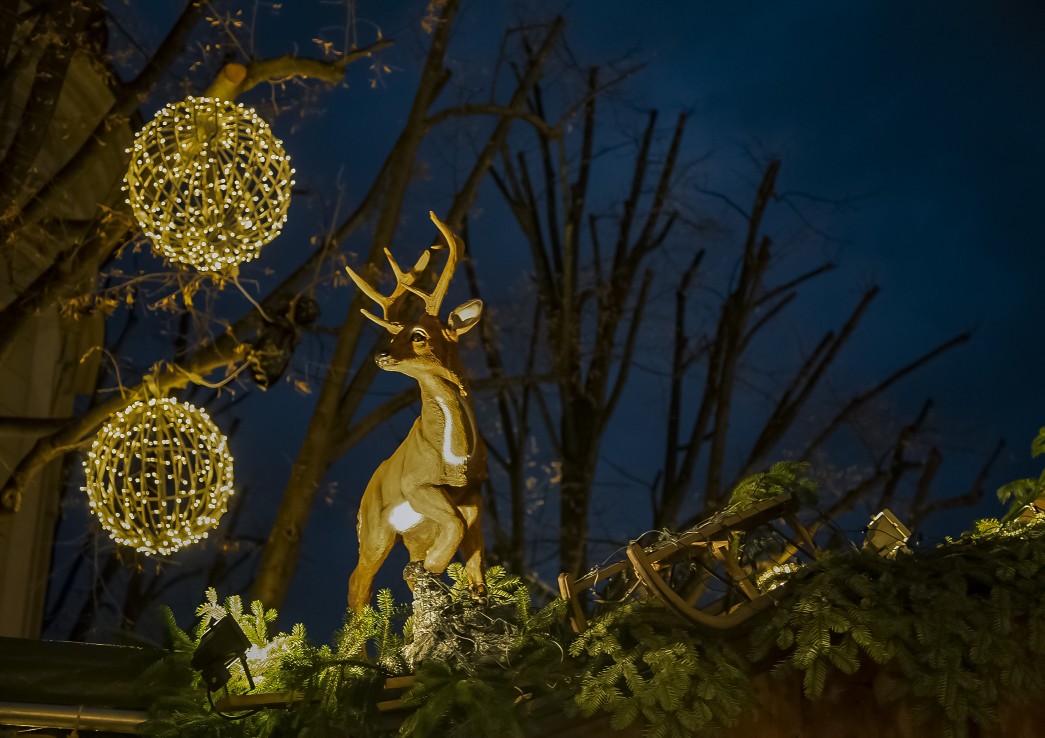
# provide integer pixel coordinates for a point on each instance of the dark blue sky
(921, 122)
(929, 116)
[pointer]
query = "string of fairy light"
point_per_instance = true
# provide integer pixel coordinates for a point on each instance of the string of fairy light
(159, 475)
(209, 184)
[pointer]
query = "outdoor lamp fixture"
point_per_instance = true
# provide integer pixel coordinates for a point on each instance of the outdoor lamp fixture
(886, 535)
(222, 644)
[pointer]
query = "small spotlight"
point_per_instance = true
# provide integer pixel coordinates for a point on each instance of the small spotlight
(222, 644)
(886, 535)
(1032, 512)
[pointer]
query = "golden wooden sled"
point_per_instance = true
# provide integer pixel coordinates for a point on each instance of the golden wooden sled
(710, 549)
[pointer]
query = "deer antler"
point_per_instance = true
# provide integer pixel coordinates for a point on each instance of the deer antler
(404, 282)
(434, 299)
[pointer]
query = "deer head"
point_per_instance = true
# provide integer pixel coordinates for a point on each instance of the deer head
(425, 347)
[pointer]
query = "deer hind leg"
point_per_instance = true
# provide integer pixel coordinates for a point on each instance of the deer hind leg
(431, 502)
(472, 546)
(418, 540)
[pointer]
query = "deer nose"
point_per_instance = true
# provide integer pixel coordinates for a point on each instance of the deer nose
(383, 358)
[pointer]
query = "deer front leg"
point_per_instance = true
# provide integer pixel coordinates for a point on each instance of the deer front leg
(432, 502)
(376, 537)
(361, 583)
(371, 555)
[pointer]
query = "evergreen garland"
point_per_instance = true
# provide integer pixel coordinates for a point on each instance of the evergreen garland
(952, 632)
(340, 685)
(643, 662)
(1022, 492)
(956, 631)
(783, 476)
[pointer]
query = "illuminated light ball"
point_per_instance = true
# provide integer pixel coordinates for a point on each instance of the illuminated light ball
(208, 183)
(158, 475)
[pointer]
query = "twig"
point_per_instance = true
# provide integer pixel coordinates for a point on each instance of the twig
(860, 400)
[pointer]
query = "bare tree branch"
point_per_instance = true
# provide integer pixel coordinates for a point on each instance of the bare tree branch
(791, 284)
(930, 467)
(66, 274)
(372, 420)
(970, 498)
(666, 510)
(802, 385)
(860, 400)
(736, 314)
(500, 111)
(899, 463)
(236, 79)
(222, 352)
(626, 355)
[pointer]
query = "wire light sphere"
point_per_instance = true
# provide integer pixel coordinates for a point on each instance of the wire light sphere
(159, 475)
(209, 183)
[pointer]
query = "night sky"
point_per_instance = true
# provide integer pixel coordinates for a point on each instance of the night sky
(911, 142)
(923, 123)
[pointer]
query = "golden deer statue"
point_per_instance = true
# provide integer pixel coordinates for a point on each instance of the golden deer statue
(427, 493)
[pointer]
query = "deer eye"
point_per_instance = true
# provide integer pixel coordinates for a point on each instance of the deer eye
(419, 337)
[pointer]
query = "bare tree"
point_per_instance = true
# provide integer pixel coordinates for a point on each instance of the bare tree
(590, 370)
(591, 301)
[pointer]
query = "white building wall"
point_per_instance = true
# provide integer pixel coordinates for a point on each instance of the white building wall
(42, 373)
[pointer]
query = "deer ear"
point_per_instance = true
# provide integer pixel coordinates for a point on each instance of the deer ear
(465, 316)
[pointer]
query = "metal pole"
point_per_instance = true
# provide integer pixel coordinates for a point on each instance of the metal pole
(72, 717)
